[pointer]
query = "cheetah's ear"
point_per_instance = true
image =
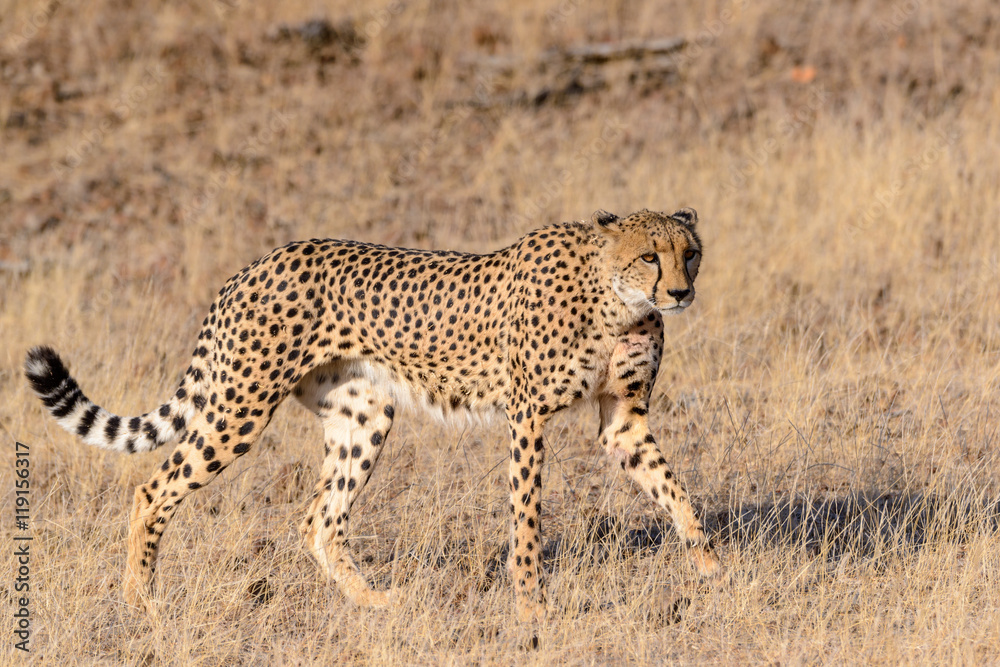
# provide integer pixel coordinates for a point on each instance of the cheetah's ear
(604, 220)
(686, 216)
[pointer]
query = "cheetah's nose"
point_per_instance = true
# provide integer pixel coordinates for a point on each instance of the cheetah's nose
(678, 294)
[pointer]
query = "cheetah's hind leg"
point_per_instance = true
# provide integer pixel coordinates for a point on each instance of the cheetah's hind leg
(356, 418)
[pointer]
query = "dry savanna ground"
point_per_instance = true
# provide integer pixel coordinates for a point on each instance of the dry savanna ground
(831, 400)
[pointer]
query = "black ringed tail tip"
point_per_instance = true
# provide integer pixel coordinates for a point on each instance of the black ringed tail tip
(63, 399)
(45, 371)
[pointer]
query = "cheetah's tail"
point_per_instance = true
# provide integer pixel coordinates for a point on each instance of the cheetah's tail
(96, 426)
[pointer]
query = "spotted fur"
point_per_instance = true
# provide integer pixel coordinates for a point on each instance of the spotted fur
(569, 313)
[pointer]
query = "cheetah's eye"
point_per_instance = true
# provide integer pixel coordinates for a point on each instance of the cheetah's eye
(690, 254)
(649, 258)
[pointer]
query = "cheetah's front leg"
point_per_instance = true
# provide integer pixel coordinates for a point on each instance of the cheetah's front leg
(626, 437)
(525, 562)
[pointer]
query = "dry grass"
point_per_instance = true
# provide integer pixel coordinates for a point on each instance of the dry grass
(831, 400)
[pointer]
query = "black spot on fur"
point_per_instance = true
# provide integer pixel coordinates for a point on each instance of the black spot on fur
(111, 428)
(87, 421)
(72, 399)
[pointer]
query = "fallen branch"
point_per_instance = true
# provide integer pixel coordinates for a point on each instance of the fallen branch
(596, 54)
(631, 49)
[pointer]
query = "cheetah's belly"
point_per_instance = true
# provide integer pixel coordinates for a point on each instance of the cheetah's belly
(429, 391)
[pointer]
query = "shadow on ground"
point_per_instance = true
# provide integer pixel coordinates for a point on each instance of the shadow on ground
(865, 525)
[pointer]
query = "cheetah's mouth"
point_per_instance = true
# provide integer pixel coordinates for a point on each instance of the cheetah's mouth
(675, 307)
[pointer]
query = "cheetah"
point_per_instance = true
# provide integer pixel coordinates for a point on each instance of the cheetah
(569, 313)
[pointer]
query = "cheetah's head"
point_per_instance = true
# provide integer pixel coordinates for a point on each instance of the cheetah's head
(653, 257)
